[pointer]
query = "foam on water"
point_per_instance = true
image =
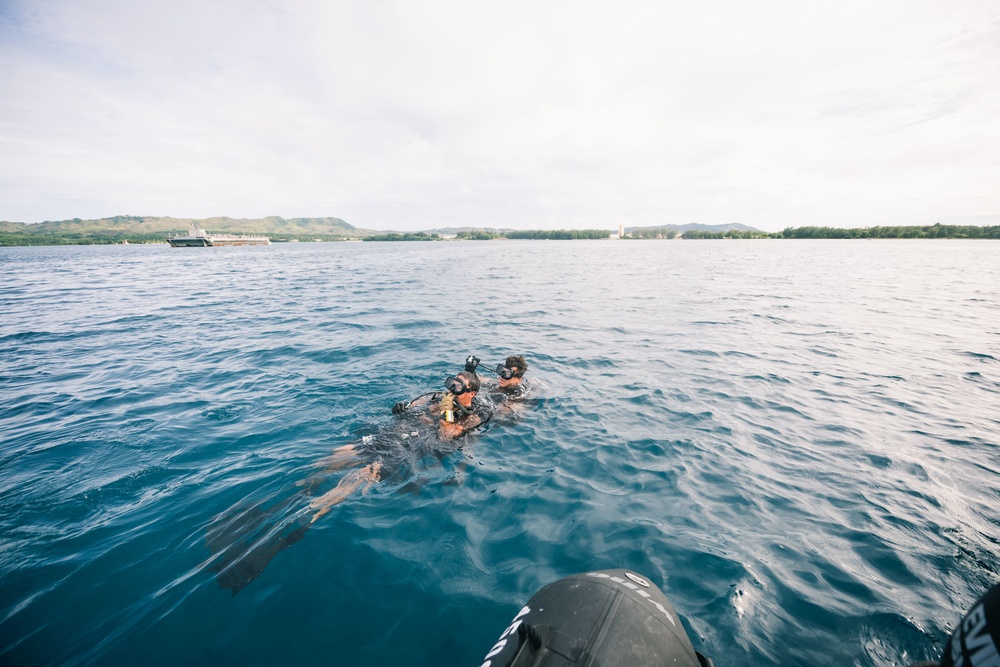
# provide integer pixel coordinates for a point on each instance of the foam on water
(798, 441)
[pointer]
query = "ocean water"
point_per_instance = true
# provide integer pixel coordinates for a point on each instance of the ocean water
(798, 441)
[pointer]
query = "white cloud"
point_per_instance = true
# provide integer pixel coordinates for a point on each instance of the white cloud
(555, 114)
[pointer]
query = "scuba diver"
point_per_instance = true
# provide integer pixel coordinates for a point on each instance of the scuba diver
(455, 412)
(428, 427)
(458, 410)
(510, 376)
(509, 391)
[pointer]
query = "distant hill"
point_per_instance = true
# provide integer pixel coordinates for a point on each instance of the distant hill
(148, 228)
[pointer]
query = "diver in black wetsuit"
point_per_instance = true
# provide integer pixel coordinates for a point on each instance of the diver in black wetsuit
(509, 392)
(245, 539)
(455, 412)
(510, 383)
(458, 410)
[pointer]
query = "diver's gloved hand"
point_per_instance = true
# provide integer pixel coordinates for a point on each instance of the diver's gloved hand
(400, 407)
(447, 407)
(471, 362)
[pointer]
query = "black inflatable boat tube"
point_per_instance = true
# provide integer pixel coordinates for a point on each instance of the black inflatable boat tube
(609, 618)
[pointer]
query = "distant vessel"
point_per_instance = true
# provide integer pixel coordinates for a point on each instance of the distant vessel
(199, 238)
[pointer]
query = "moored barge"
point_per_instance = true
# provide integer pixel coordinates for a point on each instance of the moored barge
(199, 238)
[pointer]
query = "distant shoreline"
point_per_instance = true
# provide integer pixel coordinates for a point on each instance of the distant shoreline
(138, 230)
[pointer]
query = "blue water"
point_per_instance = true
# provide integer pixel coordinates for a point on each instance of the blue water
(798, 441)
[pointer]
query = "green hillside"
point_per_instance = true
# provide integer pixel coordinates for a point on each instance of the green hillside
(151, 229)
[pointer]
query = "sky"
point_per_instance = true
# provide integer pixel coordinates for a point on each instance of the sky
(423, 114)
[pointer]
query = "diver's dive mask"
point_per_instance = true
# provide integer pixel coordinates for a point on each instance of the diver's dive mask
(456, 385)
(503, 372)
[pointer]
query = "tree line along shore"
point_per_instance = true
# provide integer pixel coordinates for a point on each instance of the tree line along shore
(936, 231)
(33, 237)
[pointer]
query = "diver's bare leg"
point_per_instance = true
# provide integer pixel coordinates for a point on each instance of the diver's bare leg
(348, 485)
(340, 458)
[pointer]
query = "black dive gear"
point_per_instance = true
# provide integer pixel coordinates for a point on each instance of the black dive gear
(452, 410)
(462, 411)
(471, 363)
(503, 372)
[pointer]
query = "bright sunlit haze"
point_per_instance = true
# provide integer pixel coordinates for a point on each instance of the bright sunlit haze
(525, 115)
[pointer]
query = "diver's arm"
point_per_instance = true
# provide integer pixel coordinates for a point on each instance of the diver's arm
(425, 399)
(419, 402)
(456, 429)
(510, 408)
(447, 430)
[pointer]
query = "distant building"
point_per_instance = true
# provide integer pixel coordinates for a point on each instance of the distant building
(621, 231)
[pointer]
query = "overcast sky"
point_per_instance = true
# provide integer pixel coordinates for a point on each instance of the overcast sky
(417, 114)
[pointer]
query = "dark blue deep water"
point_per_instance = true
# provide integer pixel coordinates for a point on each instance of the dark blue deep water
(798, 441)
